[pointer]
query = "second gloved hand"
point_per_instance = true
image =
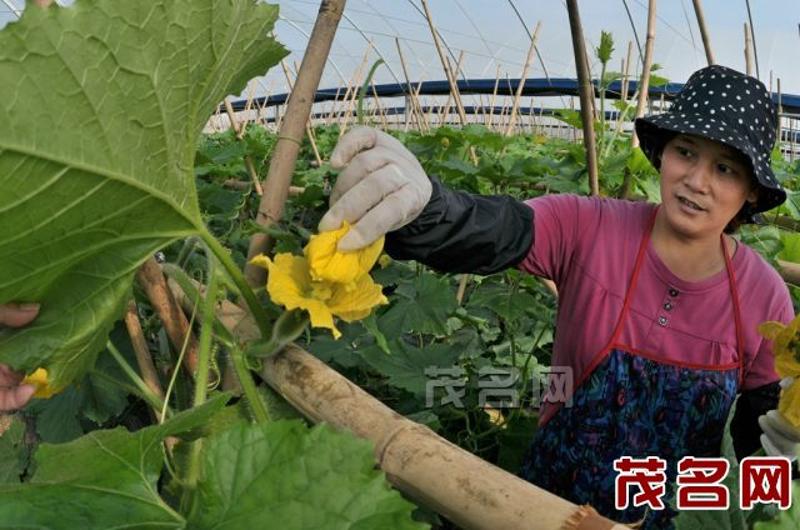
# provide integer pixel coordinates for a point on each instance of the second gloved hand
(381, 187)
(780, 437)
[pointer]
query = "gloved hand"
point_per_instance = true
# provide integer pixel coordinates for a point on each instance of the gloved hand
(381, 188)
(780, 437)
(12, 394)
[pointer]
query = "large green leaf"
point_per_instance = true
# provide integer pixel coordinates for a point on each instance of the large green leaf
(101, 106)
(406, 365)
(105, 479)
(281, 475)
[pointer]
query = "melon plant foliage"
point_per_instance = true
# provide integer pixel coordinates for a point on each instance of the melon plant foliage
(102, 105)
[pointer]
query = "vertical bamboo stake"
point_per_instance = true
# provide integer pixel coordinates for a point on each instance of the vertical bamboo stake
(748, 49)
(418, 103)
(644, 82)
(290, 136)
(238, 129)
(446, 112)
(143, 358)
(701, 21)
(354, 92)
(586, 94)
(309, 130)
(415, 111)
(523, 77)
(494, 96)
(449, 74)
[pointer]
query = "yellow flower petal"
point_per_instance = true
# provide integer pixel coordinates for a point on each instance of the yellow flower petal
(771, 329)
(789, 404)
(38, 379)
(327, 263)
(289, 284)
(357, 302)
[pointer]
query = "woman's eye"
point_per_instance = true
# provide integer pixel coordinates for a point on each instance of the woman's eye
(684, 152)
(725, 169)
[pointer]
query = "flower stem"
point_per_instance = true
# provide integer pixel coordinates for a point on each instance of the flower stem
(262, 320)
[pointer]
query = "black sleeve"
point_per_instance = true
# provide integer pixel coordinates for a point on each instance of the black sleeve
(744, 426)
(461, 232)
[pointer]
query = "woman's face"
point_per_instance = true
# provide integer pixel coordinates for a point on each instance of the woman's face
(704, 184)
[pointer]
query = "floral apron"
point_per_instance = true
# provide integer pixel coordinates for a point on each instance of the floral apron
(631, 403)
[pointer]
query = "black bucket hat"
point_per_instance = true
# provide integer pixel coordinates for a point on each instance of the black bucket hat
(730, 107)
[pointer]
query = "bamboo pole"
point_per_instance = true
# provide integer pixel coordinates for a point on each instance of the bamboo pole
(644, 82)
(523, 77)
(448, 73)
(494, 97)
(438, 474)
(415, 110)
(291, 133)
(152, 280)
(701, 21)
(586, 94)
(748, 49)
(239, 129)
(419, 106)
(446, 111)
(143, 358)
(309, 129)
(351, 103)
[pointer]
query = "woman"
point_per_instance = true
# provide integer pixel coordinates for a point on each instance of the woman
(658, 304)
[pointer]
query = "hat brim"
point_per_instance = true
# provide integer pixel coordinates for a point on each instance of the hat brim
(655, 131)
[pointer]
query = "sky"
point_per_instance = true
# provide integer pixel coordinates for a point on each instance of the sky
(491, 36)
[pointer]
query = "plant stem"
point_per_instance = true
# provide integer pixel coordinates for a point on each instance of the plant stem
(262, 320)
(201, 379)
(145, 391)
(248, 386)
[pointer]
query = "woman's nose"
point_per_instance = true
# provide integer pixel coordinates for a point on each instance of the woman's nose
(698, 177)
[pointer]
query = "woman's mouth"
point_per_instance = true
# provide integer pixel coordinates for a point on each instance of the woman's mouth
(690, 204)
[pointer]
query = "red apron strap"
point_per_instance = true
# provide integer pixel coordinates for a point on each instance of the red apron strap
(737, 313)
(634, 277)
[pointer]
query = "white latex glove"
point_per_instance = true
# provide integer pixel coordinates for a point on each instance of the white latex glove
(780, 437)
(381, 188)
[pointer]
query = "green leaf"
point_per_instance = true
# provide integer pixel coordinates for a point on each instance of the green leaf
(423, 308)
(786, 520)
(97, 147)
(406, 366)
(287, 476)
(105, 479)
(13, 453)
(606, 47)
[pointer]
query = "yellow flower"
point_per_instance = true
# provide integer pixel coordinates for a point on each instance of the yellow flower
(290, 284)
(38, 379)
(329, 264)
(786, 345)
(787, 364)
(789, 404)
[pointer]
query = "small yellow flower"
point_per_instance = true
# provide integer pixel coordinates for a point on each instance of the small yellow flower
(329, 264)
(38, 379)
(290, 284)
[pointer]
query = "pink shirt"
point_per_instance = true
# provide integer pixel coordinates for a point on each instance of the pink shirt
(588, 247)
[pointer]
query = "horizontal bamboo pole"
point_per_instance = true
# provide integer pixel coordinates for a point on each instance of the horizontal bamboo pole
(461, 486)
